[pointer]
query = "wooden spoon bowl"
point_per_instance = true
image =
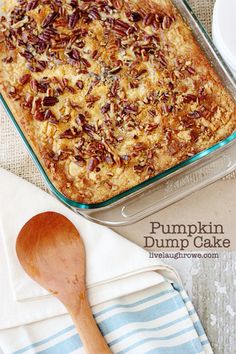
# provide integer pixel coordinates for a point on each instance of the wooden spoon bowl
(51, 251)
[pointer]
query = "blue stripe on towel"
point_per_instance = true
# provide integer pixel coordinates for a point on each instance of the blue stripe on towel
(180, 349)
(44, 341)
(191, 347)
(137, 303)
(65, 347)
(140, 302)
(116, 322)
(160, 338)
(197, 324)
(149, 314)
(129, 316)
(157, 329)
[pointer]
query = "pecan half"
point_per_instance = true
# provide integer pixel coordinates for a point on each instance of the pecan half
(93, 162)
(94, 14)
(69, 134)
(49, 19)
(121, 28)
(139, 147)
(80, 161)
(24, 79)
(50, 101)
(134, 16)
(74, 54)
(34, 85)
(105, 108)
(39, 116)
(80, 120)
(114, 88)
(80, 84)
(118, 4)
(166, 23)
(190, 98)
(191, 70)
(139, 168)
(73, 19)
(32, 5)
(148, 19)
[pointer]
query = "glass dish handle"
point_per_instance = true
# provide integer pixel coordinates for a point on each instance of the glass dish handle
(167, 191)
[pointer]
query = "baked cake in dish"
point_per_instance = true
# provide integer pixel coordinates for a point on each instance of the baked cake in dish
(109, 93)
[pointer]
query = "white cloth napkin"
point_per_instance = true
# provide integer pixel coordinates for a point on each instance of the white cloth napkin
(108, 276)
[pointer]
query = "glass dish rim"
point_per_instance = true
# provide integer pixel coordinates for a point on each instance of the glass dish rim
(140, 186)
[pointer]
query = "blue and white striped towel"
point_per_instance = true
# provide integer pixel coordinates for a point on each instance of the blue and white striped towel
(134, 301)
(158, 320)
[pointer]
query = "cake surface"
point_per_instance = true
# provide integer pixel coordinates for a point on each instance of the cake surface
(109, 93)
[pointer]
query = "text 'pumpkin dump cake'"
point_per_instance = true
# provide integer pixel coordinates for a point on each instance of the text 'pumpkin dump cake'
(109, 93)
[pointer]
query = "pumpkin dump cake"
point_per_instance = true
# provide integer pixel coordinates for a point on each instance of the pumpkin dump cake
(109, 93)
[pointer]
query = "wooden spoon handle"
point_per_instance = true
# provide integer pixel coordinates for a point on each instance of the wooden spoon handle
(91, 337)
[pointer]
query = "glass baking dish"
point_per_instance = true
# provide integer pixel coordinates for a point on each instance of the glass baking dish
(174, 183)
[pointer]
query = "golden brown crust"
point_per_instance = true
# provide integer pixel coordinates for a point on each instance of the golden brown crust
(109, 93)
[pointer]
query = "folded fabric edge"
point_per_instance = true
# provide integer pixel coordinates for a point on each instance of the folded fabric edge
(162, 271)
(97, 295)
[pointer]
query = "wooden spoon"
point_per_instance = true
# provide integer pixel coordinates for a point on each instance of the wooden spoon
(51, 251)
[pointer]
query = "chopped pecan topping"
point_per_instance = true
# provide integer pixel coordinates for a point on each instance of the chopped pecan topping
(134, 16)
(105, 108)
(94, 14)
(114, 89)
(49, 19)
(166, 23)
(47, 34)
(190, 70)
(116, 69)
(194, 114)
(148, 19)
(80, 161)
(144, 100)
(80, 84)
(152, 112)
(109, 159)
(174, 147)
(73, 19)
(73, 3)
(93, 162)
(13, 93)
(69, 134)
(121, 28)
(32, 5)
(50, 101)
(139, 168)
(190, 98)
(188, 122)
(24, 79)
(80, 120)
(85, 62)
(8, 60)
(150, 127)
(90, 100)
(194, 135)
(27, 55)
(34, 85)
(28, 100)
(118, 4)
(48, 115)
(130, 108)
(74, 54)
(166, 109)
(39, 116)
(139, 147)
